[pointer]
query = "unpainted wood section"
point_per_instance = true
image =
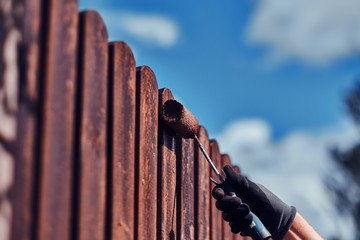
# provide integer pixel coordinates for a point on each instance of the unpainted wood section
(22, 192)
(147, 139)
(216, 226)
(186, 227)
(92, 146)
(166, 222)
(55, 217)
(226, 230)
(122, 92)
(203, 195)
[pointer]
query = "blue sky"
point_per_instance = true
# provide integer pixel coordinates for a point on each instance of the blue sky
(266, 78)
(221, 75)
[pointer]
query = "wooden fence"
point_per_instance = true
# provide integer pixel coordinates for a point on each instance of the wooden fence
(83, 153)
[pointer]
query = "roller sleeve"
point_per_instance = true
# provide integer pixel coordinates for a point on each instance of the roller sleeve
(179, 118)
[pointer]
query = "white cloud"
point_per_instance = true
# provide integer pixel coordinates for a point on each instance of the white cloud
(293, 168)
(149, 29)
(152, 27)
(318, 31)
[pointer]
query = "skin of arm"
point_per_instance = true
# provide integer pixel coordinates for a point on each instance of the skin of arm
(301, 230)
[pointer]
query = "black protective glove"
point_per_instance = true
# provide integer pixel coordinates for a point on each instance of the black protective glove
(274, 213)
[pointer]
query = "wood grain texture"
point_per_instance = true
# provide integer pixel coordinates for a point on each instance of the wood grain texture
(57, 135)
(202, 188)
(166, 222)
(22, 194)
(146, 151)
(226, 230)
(216, 226)
(122, 100)
(186, 201)
(92, 156)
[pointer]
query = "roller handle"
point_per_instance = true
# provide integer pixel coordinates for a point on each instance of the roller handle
(256, 229)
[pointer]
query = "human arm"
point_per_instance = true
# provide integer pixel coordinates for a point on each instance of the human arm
(301, 229)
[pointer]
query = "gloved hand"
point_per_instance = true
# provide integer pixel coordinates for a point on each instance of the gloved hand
(274, 214)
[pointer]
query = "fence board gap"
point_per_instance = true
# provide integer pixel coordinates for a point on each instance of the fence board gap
(179, 167)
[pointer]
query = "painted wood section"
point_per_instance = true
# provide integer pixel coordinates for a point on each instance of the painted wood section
(57, 134)
(186, 227)
(27, 139)
(122, 112)
(216, 225)
(166, 213)
(202, 191)
(226, 230)
(147, 140)
(91, 150)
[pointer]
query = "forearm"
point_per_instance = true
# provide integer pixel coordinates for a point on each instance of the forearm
(301, 230)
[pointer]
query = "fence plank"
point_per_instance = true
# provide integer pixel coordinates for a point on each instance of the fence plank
(202, 193)
(22, 193)
(238, 236)
(166, 176)
(58, 120)
(215, 213)
(92, 136)
(147, 139)
(226, 230)
(122, 91)
(186, 201)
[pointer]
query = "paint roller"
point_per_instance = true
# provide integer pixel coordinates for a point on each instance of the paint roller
(180, 119)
